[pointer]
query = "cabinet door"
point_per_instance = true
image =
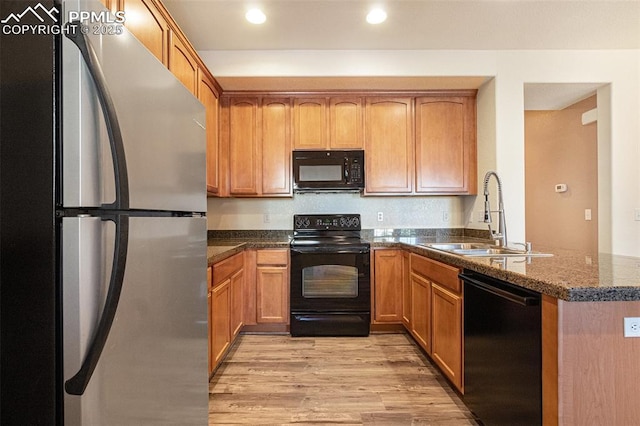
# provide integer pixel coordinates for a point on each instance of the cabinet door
(208, 95)
(446, 345)
(345, 123)
(244, 149)
(272, 283)
(221, 321)
(310, 123)
(276, 146)
(445, 145)
(389, 145)
(182, 62)
(210, 317)
(236, 284)
(149, 26)
(421, 311)
(388, 286)
(406, 291)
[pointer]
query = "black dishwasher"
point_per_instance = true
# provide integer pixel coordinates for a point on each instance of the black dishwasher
(502, 351)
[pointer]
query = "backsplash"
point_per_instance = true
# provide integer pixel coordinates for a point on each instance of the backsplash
(277, 213)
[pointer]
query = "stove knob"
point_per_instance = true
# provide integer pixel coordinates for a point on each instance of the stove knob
(355, 222)
(306, 222)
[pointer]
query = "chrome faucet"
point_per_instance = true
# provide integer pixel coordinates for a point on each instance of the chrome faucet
(500, 237)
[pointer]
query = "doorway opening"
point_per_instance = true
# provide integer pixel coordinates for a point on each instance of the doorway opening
(566, 167)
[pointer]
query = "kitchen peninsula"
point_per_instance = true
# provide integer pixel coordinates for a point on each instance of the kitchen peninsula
(589, 367)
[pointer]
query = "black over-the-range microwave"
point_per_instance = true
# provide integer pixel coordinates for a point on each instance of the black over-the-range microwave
(328, 170)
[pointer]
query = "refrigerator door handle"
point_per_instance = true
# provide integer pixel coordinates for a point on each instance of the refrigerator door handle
(77, 384)
(77, 33)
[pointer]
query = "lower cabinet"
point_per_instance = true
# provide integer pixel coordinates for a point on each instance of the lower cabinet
(446, 333)
(220, 322)
(436, 314)
(272, 286)
(226, 282)
(421, 311)
(387, 288)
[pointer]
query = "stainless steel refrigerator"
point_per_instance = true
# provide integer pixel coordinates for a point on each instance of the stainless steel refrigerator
(103, 304)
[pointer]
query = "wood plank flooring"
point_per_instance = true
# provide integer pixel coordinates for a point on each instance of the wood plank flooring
(383, 379)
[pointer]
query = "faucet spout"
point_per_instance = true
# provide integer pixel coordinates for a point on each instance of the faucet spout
(500, 236)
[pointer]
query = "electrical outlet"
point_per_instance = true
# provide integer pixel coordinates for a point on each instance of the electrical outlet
(445, 216)
(632, 327)
(266, 218)
(380, 216)
(587, 214)
(480, 216)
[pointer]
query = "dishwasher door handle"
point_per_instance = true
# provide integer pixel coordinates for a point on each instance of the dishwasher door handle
(505, 294)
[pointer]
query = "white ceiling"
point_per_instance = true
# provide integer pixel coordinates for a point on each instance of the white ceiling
(214, 25)
(411, 24)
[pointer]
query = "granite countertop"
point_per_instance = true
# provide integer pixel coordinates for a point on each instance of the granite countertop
(220, 249)
(567, 275)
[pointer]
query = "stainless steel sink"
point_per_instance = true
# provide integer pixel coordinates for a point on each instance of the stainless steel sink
(482, 250)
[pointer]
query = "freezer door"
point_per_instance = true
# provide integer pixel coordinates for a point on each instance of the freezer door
(153, 368)
(161, 123)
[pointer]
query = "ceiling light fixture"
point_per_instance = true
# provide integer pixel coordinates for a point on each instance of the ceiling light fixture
(256, 16)
(376, 16)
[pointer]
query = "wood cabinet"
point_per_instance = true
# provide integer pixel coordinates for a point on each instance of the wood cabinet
(275, 138)
(210, 315)
(446, 145)
(328, 122)
(309, 123)
(388, 145)
(220, 322)
(387, 289)
(146, 22)
(406, 290)
(446, 335)
(226, 280)
(272, 282)
(421, 310)
(208, 95)
(236, 286)
(345, 123)
(244, 149)
(258, 132)
(182, 61)
(436, 314)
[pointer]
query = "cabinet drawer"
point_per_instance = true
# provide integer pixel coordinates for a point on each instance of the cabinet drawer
(273, 257)
(438, 272)
(224, 269)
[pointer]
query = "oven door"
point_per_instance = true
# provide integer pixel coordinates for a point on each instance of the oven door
(329, 280)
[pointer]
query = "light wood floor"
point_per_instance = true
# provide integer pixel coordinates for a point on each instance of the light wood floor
(383, 379)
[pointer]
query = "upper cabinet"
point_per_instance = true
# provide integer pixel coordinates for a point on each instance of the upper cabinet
(257, 135)
(327, 123)
(244, 147)
(445, 145)
(438, 158)
(276, 146)
(310, 123)
(208, 95)
(147, 23)
(345, 123)
(388, 145)
(182, 62)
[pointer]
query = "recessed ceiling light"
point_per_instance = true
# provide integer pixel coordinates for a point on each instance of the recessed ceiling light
(376, 16)
(256, 16)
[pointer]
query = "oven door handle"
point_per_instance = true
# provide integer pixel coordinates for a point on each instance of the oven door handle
(328, 250)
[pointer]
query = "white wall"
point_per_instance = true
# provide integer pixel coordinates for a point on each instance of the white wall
(500, 108)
